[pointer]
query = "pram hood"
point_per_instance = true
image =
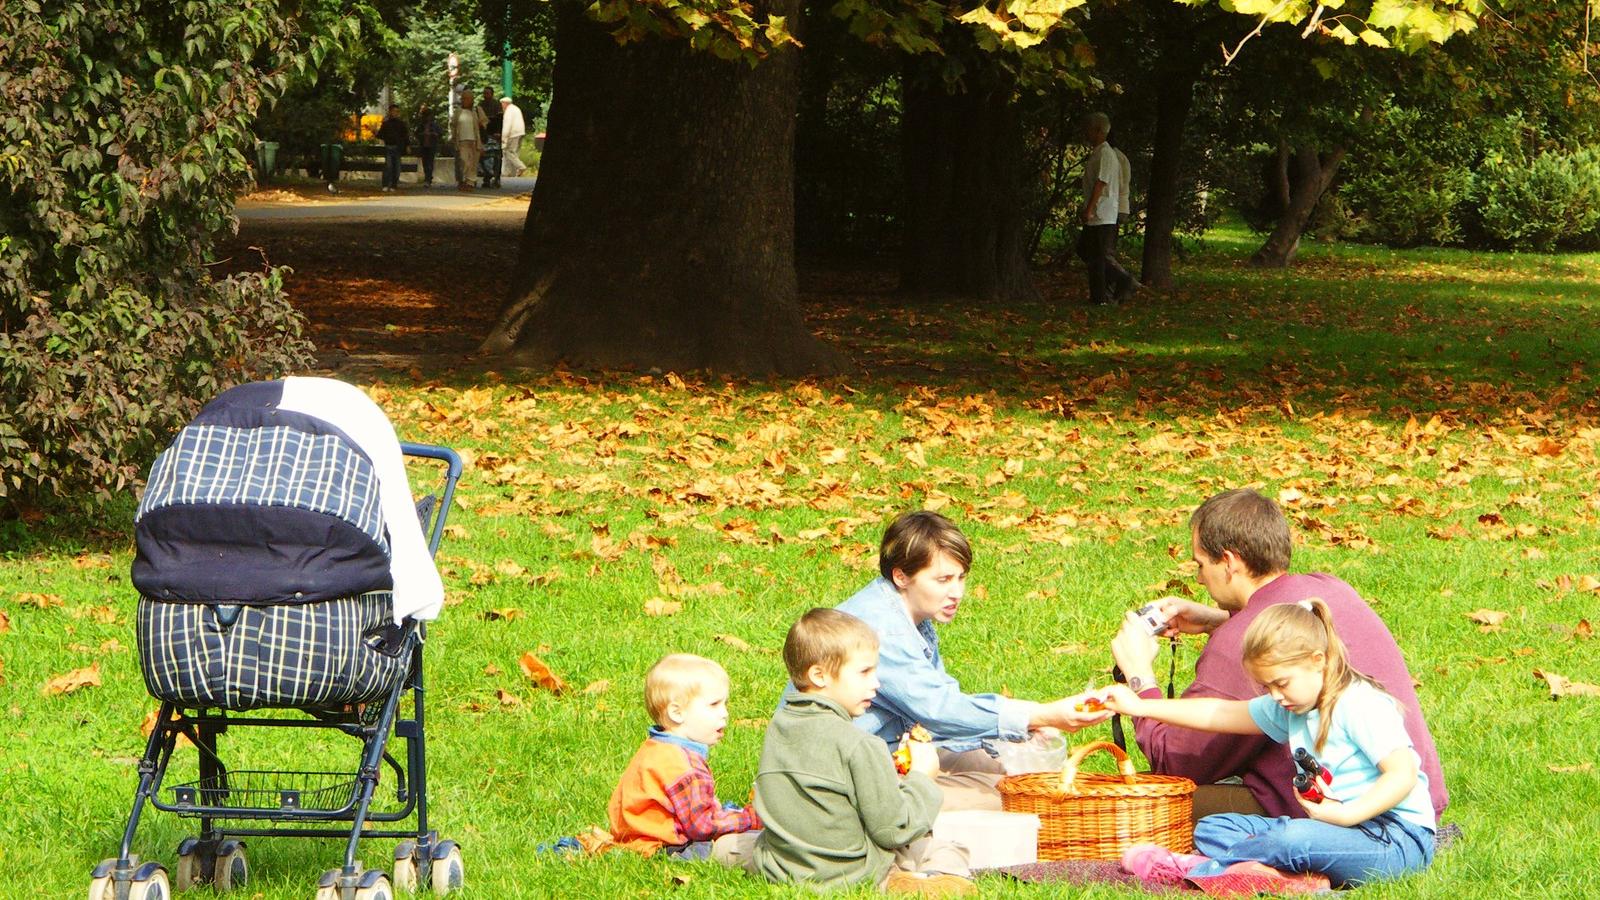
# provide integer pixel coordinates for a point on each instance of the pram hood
(287, 491)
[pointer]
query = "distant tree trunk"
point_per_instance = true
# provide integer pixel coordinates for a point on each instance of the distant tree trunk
(1301, 177)
(661, 229)
(1166, 168)
(965, 210)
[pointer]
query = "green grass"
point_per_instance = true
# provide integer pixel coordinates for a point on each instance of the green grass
(1434, 409)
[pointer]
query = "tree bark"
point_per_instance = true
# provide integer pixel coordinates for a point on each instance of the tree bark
(661, 229)
(1166, 167)
(1306, 174)
(965, 216)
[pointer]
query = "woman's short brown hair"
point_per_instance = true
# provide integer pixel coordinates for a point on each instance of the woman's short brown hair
(913, 539)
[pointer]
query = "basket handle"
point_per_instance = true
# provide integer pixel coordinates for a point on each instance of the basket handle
(1069, 772)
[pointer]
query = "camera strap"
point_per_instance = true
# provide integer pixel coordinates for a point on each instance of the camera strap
(1117, 736)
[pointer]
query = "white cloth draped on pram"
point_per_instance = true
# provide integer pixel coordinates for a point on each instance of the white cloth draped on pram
(277, 549)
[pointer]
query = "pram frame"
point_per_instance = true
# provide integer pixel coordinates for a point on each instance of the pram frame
(127, 875)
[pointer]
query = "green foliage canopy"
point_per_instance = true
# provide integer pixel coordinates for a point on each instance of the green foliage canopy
(124, 134)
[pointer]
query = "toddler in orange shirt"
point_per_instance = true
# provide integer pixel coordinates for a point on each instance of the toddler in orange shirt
(666, 801)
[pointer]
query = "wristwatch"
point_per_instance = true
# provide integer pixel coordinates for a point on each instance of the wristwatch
(1139, 684)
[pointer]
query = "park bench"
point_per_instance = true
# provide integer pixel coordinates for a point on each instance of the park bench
(369, 158)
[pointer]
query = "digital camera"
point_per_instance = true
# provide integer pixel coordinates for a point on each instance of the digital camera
(1155, 621)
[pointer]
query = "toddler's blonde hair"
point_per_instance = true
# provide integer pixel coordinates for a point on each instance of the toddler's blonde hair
(678, 678)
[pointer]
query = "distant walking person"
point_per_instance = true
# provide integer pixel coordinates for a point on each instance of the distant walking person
(512, 128)
(489, 159)
(1102, 186)
(395, 137)
(464, 126)
(428, 134)
(1124, 216)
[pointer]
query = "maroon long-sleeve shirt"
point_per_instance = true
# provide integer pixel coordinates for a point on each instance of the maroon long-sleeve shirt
(1265, 765)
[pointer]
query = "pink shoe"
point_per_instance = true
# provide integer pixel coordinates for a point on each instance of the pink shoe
(1246, 879)
(1156, 864)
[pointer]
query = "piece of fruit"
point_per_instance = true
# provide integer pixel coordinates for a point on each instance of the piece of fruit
(902, 758)
(902, 753)
(1090, 705)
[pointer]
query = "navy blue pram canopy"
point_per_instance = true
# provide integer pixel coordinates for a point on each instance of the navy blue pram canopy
(273, 494)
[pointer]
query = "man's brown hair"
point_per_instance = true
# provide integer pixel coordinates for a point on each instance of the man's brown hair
(824, 637)
(911, 541)
(1250, 525)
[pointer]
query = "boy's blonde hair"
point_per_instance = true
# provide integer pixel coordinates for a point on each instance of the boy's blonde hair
(824, 637)
(1289, 633)
(678, 678)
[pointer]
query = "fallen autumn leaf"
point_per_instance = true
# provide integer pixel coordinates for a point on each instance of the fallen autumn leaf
(535, 669)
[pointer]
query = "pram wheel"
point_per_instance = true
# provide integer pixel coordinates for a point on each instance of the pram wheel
(448, 873)
(379, 889)
(232, 871)
(153, 887)
(405, 866)
(222, 864)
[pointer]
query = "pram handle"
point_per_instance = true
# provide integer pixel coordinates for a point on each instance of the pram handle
(452, 475)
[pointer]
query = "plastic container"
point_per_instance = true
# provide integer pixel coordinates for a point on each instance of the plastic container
(1036, 754)
(992, 838)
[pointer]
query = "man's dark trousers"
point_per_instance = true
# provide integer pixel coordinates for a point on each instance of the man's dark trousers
(1097, 247)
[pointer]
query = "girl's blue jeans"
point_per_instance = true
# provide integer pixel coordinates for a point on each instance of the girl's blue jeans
(1377, 849)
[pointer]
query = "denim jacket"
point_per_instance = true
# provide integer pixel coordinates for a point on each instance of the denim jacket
(915, 688)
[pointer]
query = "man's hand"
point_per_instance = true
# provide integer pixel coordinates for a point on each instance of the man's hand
(1134, 648)
(1189, 617)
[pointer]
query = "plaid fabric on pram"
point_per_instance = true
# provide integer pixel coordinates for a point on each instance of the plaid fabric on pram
(213, 464)
(305, 656)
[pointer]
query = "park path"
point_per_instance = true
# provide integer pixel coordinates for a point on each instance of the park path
(387, 282)
(361, 201)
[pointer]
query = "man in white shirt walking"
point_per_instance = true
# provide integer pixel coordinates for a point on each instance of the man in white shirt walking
(512, 128)
(1102, 188)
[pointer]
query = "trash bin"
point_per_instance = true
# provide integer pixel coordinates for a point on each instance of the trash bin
(266, 159)
(332, 159)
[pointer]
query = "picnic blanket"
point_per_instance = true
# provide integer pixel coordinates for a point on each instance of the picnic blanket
(1242, 883)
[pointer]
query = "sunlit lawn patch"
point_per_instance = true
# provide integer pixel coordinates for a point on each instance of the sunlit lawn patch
(1427, 419)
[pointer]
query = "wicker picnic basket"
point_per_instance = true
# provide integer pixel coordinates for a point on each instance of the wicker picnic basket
(1087, 816)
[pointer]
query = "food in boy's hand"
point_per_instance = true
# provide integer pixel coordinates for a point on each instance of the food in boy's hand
(902, 753)
(1089, 705)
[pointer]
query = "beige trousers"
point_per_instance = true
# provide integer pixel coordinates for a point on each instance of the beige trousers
(925, 854)
(510, 161)
(969, 780)
(929, 855)
(467, 153)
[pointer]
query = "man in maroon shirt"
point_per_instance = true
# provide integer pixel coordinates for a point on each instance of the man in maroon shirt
(1241, 544)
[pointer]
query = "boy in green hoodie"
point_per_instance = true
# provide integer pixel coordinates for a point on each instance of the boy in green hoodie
(836, 813)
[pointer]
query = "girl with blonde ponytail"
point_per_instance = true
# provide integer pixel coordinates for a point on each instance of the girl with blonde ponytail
(1374, 820)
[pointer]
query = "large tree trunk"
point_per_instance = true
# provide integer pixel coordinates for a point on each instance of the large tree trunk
(661, 229)
(965, 210)
(1301, 178)
(1166, 168)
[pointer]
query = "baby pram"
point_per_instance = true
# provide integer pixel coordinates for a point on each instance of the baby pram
(282, 565)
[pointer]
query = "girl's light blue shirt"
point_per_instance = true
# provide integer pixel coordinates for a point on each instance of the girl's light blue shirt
(1367, 726)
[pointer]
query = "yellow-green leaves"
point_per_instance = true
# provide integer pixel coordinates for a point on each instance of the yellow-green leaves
(1018, 24)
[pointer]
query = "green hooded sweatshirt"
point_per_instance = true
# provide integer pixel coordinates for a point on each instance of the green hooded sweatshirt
(832, 807)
